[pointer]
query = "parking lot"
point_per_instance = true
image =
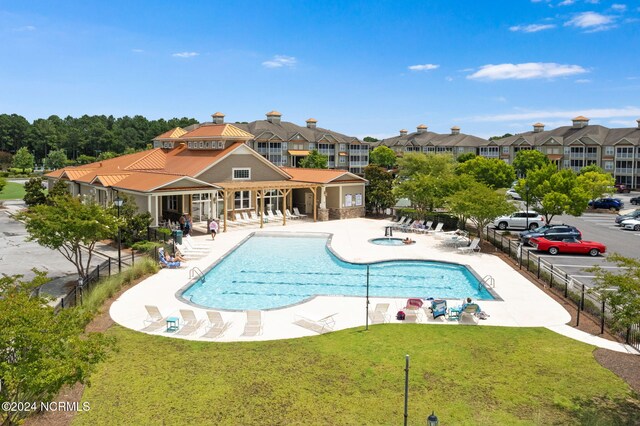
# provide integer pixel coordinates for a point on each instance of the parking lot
(595, 226)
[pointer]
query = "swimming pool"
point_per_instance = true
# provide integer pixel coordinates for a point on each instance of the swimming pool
(266, 272)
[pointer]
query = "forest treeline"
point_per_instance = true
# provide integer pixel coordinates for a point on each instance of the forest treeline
(87, 136)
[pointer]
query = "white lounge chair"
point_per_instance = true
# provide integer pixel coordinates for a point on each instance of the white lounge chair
(473, 247)
(400, 223)
(255, 217)
(379, 314)
(395, 222)
(271, 216)
(240, 220)
(216, 326)
(416, 226)
(253, 327)
(154, 320)
(437, 229)
(191, 243)
(297, 212)
(248, 219)
(322, 325)
(191, 324)
(279, 214)
(290, 216)
(427, 227)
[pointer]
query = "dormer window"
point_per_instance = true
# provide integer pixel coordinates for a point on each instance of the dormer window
(220, 145)
(241, 173)
(201, 144)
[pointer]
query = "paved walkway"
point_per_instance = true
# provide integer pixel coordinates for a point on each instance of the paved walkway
(523, 304)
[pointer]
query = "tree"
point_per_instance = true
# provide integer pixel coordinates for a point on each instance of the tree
(370, 139)
(595, 184)
(480, 204)
(71, 226)
(40, 351)
(379, 195)
(59, 189)
(23, 159)
(529, 159)
(34, 192)
(495, 138)
(493, 172)
(383, 156)
(3, 183)
(591, 168)
(620, 289)
(5, 160)
(56, 159)
(465, 157)
(134, 224)
(314, 160)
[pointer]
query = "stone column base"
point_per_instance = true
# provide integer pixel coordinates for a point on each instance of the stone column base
(323, 215)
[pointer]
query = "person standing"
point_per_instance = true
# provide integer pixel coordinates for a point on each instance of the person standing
(213, 228)
(187, 224)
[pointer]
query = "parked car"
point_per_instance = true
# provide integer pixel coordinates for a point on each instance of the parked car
(632, 215)
(513, 194)
(607, 203)
(551, 232)
(522, 220)
(568, 245)
(631, 224)
(635, 201)
(622, 188)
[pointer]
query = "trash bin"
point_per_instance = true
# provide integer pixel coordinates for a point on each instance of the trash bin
(177, 236)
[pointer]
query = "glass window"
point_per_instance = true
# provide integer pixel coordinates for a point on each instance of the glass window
(505, 149)
(172, 202)
(608, 150)
(312, 146)
(343, 159)
(220, 145)
(241, 173)
(343, 147)
(242, 200)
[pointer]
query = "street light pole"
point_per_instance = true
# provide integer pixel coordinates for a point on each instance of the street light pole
(526, 198)
(118, 202)
(406, 390)
(367, 318)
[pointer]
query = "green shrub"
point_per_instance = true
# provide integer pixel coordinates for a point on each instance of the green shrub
(4, 174)
(146, 246)
(20, 171)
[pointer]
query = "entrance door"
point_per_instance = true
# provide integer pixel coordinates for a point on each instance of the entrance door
(308, 203)
(200, 207)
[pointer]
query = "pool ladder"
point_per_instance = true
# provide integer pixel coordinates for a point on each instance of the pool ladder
(489, 281)
(196, 272)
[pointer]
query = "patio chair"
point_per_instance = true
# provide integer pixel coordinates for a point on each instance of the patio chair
(416, 226)
(470, 311)
(193, 245)
(191, 323)
(427, 227)
(255, 217)
(271, 216)
(216, 326)
(297, 212)
(240, 220)
(393, 221)
(290, 216)
(379, 314)
(398, 224)
(248, 219)
(438, 308)
(320, 326)
(154, 320)
(437, 229)
(253, 327)
(279, 214)
(406, 226)
(164, 262)
(412, 309)
(473, 247)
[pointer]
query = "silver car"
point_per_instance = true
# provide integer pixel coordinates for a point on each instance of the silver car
(520, 220)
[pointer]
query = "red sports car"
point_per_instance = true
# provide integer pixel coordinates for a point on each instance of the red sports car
(568, 245)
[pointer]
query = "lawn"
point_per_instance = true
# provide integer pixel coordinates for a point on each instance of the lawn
(468, 375)
(12, 191)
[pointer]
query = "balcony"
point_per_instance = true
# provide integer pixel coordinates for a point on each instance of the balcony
(623, 170)
(624, 155)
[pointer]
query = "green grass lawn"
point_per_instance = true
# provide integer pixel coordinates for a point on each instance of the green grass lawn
(12, 191)
(468, 375)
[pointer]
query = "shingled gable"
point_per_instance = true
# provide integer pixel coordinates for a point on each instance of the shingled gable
(241, 148)
(324, 176)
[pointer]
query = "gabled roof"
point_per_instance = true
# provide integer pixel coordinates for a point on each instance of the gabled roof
(320, 175)
(287, 131)
(171, 134)
(109, 180)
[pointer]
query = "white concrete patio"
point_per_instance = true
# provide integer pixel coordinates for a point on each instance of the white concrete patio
(523, 304)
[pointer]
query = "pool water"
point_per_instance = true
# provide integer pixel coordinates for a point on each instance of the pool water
(386, 241)
(268, 272)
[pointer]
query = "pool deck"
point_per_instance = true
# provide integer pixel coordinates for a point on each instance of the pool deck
(522, 305)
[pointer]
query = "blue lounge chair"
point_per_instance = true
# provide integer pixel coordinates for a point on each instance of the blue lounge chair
(164, 261)
(438, 308)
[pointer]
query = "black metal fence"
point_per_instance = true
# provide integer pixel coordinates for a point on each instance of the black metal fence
(562, 284)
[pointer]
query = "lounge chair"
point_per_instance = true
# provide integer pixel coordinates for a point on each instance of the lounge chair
(438, 308)
(240, 220)
(407, 226)
(296, 211)
(322, 325)
(395, 222)
(279, 214)
(470, 311)
(164, 262)
(290, 216)
(256, 218)
(271, 216)
(216, 326)
(412, 309)
(190, 323)
(253, 327)
(191, 246)
(154, 321)
(437, 229)
(379, 314)
(400, 223)
(196, 245)
(473, 247)
(427, 227)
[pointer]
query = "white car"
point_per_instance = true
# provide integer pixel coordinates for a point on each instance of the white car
(522, 220)
(513, 194)
(631, 224)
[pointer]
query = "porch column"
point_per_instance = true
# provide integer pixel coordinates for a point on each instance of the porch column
(261, 192)
(224, 208)
(323, 198)
(315, 209)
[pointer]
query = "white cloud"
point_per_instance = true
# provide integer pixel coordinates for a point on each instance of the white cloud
(591, 21)
(525, 71)
(633, 112)
(280, 61)
(619, 7)
(625, 123)
(532, 28)
(592, 1)
(583, 80)
(137, 50)
(566, 3)
(25, 28)
(185, 54)
(425, 67)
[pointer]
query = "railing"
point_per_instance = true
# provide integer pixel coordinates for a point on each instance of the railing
(562, 284)
(196, 272)
(489, 281)
(74, 296)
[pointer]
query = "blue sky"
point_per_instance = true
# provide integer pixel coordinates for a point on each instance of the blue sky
(358, 67)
